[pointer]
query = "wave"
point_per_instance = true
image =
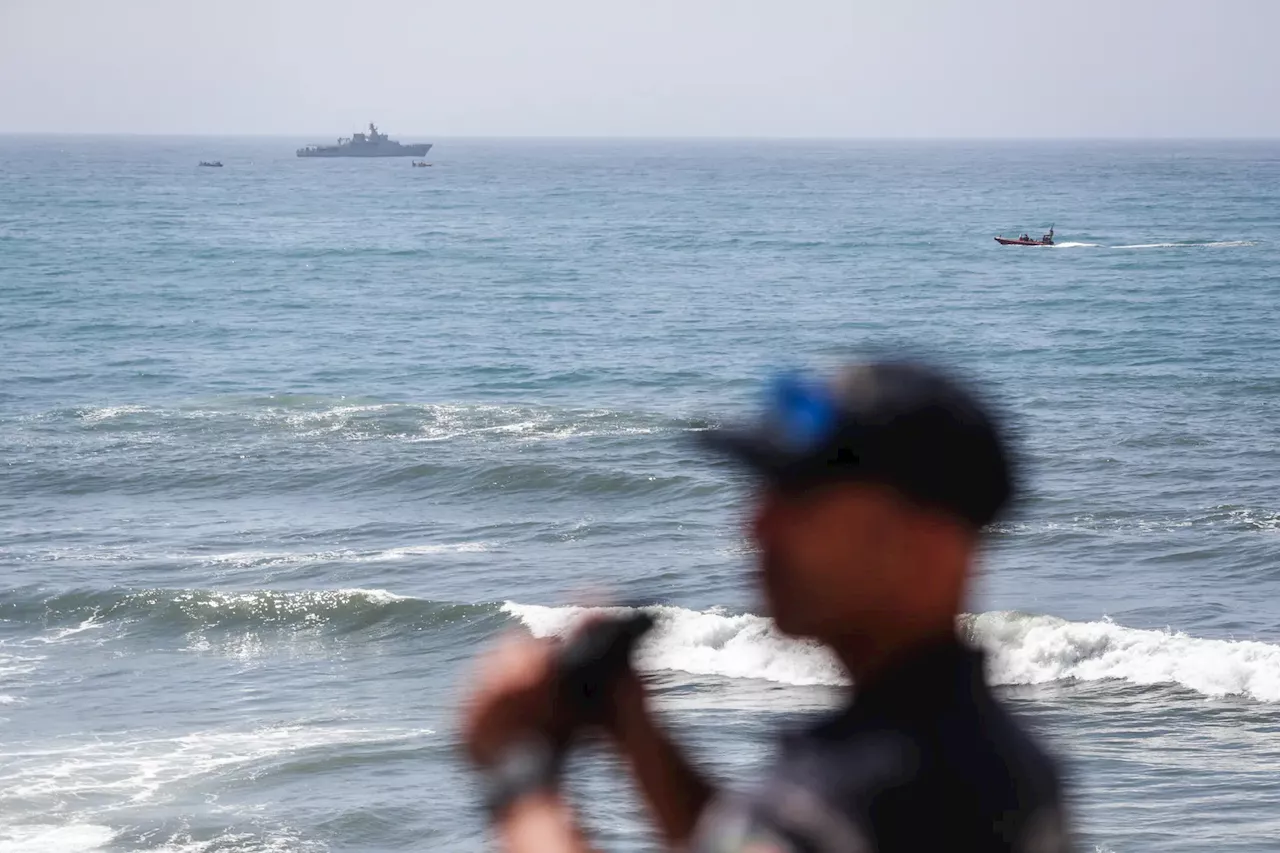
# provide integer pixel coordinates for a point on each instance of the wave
(1023, 649)
(1228, 517)
(246, 559)
(344, 449)
(254, 559)
(150, 611)
(311, 417)
(705, 643)
(1041, 649)
(108, 413)
(567, 477)
(148, 766)
(121, 773)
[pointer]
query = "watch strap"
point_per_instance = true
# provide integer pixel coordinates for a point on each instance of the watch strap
(524, 768)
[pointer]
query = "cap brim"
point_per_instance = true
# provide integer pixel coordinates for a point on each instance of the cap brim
(746, 447)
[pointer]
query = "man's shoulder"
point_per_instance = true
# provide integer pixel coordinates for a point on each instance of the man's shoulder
(1035, 815)
(933, 760)
(972, 776)
(883, 800)
(1013, 749)
(977, 737)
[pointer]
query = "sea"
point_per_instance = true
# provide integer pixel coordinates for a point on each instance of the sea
(285, 444)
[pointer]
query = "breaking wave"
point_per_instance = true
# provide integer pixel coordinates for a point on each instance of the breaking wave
(1023, 649)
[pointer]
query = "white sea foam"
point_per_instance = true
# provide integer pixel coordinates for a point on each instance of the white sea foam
(12, 668)
(63, 633)
(125, 772)
(1041, 649)
(1075, 245)
(412, 550)
(12, 665)
(398, 422)
(1257, 519)
(99, 554)
(706, 643)
(106, 413)
(255, 558)
(1023, 649)
(277, 841)
(245, 559)
(63, 838)
(1219, 516)
(299, 600)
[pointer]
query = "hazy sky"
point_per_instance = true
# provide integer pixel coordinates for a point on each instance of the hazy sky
(807, 68)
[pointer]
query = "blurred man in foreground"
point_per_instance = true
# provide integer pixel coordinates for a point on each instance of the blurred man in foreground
(874, 489)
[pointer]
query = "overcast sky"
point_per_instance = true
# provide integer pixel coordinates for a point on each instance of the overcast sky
(789, 68)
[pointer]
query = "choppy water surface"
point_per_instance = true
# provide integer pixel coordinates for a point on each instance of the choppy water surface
(282, 443)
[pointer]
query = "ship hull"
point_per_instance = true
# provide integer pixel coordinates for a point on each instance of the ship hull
(371, 151)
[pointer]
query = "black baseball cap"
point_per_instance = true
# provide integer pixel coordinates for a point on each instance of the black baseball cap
(904, 424)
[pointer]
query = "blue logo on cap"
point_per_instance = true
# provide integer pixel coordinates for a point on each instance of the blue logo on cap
(801, 411)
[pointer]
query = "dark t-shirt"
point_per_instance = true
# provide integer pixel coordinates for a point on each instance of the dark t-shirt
(925, 759)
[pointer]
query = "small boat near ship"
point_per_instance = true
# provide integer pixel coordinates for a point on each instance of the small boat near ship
(416, 163)
(214, 164)
(1026, 240)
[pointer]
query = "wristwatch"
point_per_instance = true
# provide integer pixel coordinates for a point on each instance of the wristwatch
(526, 767)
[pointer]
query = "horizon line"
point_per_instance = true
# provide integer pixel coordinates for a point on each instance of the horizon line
(657, 137)
(684, 137)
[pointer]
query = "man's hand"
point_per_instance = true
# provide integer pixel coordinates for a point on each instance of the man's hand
(628, 706)
(514, 698)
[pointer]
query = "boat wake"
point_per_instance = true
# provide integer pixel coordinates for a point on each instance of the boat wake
(1215, 244)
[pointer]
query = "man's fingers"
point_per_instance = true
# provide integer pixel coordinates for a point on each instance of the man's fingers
(516, 662)
(511, 695)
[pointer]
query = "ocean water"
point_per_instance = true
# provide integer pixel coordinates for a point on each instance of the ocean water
(282, 444)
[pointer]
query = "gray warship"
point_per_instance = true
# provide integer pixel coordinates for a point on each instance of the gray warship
(371, 144)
